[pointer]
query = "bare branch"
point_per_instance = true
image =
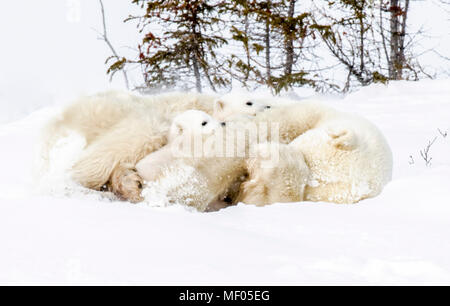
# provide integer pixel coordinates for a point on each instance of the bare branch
(425, 153)
(104, 37)
(441, 56)
(443, 133)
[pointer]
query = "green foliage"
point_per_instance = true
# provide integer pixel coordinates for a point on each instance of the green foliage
(379, 78)
(287, 81)
(184, 47)
(274, 37)
(269, 43)
(118, 65)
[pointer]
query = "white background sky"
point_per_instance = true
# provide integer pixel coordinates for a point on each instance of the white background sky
(50, 51)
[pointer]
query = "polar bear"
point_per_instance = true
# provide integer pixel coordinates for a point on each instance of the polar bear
(348, 158)
(194, 177)
(121, 128)
(233, 106)
(274, 180)
(190, 124)
(92, 116)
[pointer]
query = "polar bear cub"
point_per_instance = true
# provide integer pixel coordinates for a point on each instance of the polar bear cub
(192, 177)
(185, 127)
(234, 106)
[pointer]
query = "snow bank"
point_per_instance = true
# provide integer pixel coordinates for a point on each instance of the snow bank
(400, 237)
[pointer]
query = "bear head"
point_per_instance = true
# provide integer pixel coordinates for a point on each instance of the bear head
(233, 105)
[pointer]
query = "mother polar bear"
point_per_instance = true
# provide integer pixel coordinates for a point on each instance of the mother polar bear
(121, 128)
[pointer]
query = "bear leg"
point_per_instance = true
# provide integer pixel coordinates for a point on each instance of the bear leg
(126, 183)
(116, 154)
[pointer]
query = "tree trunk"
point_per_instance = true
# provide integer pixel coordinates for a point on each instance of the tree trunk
(402, 56)
(395, 67)
(198, 79)
(196, 53)
(362, 67)
(268, 62)
(290, 40)
(247, 48)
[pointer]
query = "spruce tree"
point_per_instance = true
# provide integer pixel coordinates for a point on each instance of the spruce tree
(274, 36)
(180, 43)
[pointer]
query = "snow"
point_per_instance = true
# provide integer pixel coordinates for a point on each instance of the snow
(399, 237)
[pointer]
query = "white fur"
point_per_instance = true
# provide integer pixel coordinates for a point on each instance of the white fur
(186, 125)
(348, 157)
(120, 128)
(274, 180)
(233, 104)
(194, 181)
(349, 160)
(193, 122)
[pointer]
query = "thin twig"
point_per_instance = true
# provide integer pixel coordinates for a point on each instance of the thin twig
(425, 152)
(104, 37)
(444, 134)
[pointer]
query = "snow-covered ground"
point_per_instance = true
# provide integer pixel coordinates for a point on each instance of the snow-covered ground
(400, 237)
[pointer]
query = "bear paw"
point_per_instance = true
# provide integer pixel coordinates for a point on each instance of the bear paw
(342, 138)
(127, 184)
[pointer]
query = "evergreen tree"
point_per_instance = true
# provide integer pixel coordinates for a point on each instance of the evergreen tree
(179, 48)
(208, 43)
(273, 35)
(294, 33)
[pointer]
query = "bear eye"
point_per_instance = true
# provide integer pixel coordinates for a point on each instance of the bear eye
(204, 123)
(249, 103)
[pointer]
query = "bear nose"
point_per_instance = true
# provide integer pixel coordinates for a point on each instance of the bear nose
(268, 107)
(223, 123)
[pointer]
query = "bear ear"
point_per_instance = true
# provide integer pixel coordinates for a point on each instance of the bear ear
(219, 105)
(179, 129)
(176, 130)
